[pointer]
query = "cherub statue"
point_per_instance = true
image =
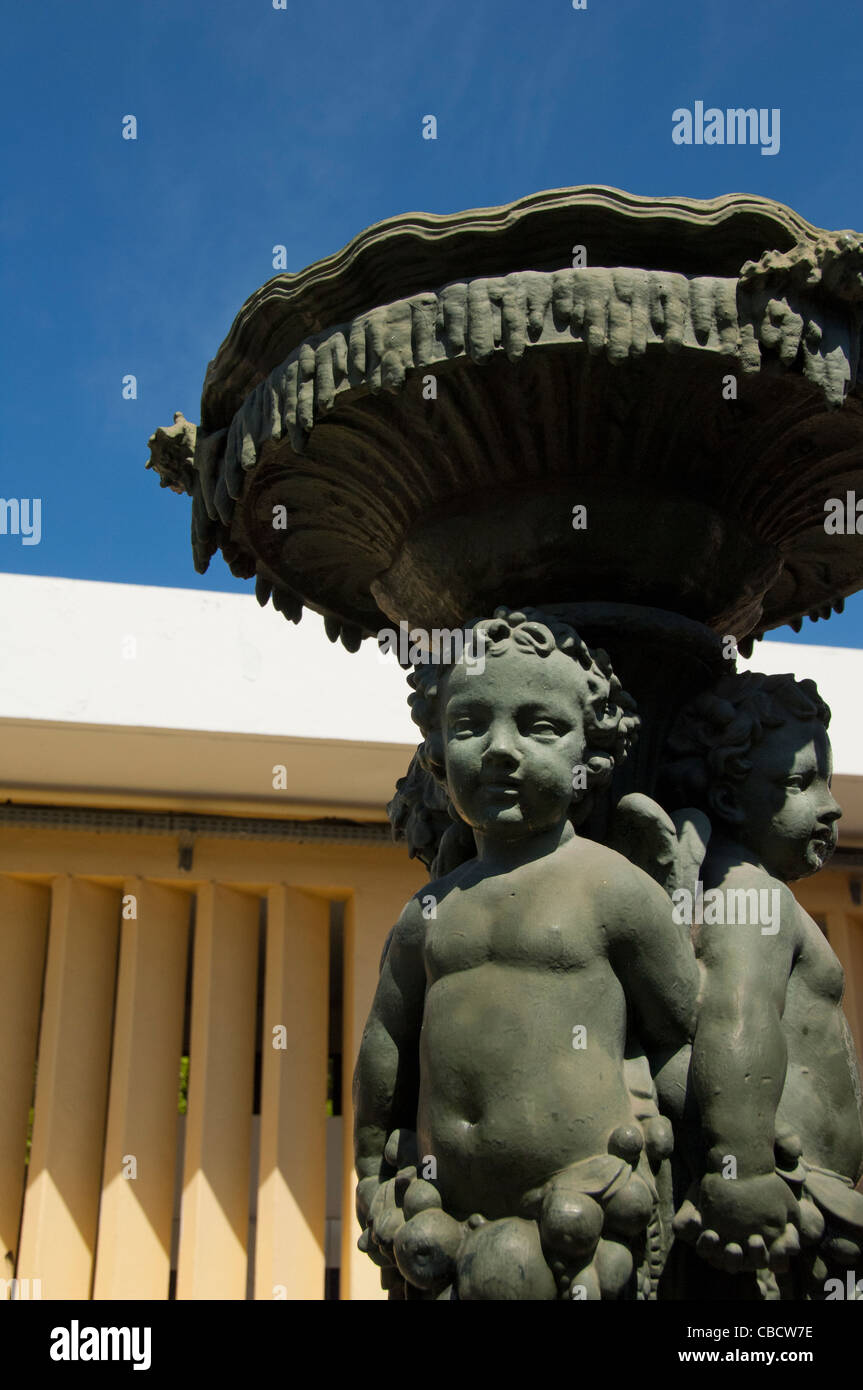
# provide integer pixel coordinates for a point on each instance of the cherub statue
(497, 1146)
(773, 1068)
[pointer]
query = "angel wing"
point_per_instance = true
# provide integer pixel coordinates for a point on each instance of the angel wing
(671, 848)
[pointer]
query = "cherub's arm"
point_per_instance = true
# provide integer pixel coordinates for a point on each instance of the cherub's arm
(739, 1054)
(654, 960)
(739, 1058)
(386, 1079)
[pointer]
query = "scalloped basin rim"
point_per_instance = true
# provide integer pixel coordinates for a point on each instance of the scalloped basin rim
(317, 386)
(403, 255)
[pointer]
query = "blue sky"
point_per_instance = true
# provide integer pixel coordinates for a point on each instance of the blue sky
(259, 126)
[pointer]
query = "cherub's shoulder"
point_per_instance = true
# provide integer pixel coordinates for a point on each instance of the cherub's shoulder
(439, 887)
(736, 876)
(813, 941)
(612, 875)
(415, 914)
(740, 873)
(410, 918)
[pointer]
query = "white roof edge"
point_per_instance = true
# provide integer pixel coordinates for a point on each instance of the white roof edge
(135, 657)
(82, 651)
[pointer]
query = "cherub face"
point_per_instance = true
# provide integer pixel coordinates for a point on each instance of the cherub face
(784, 811)
(512, 736)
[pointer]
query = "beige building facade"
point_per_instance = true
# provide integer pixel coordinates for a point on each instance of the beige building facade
(196, 881)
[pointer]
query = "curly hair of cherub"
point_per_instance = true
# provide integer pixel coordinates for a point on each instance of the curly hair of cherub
(713, 736)
(611, 722)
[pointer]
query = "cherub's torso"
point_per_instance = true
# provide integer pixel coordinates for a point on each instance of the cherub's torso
(820, 1100)
(515, 965)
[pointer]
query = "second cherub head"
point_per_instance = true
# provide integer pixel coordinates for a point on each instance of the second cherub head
(753, 754)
